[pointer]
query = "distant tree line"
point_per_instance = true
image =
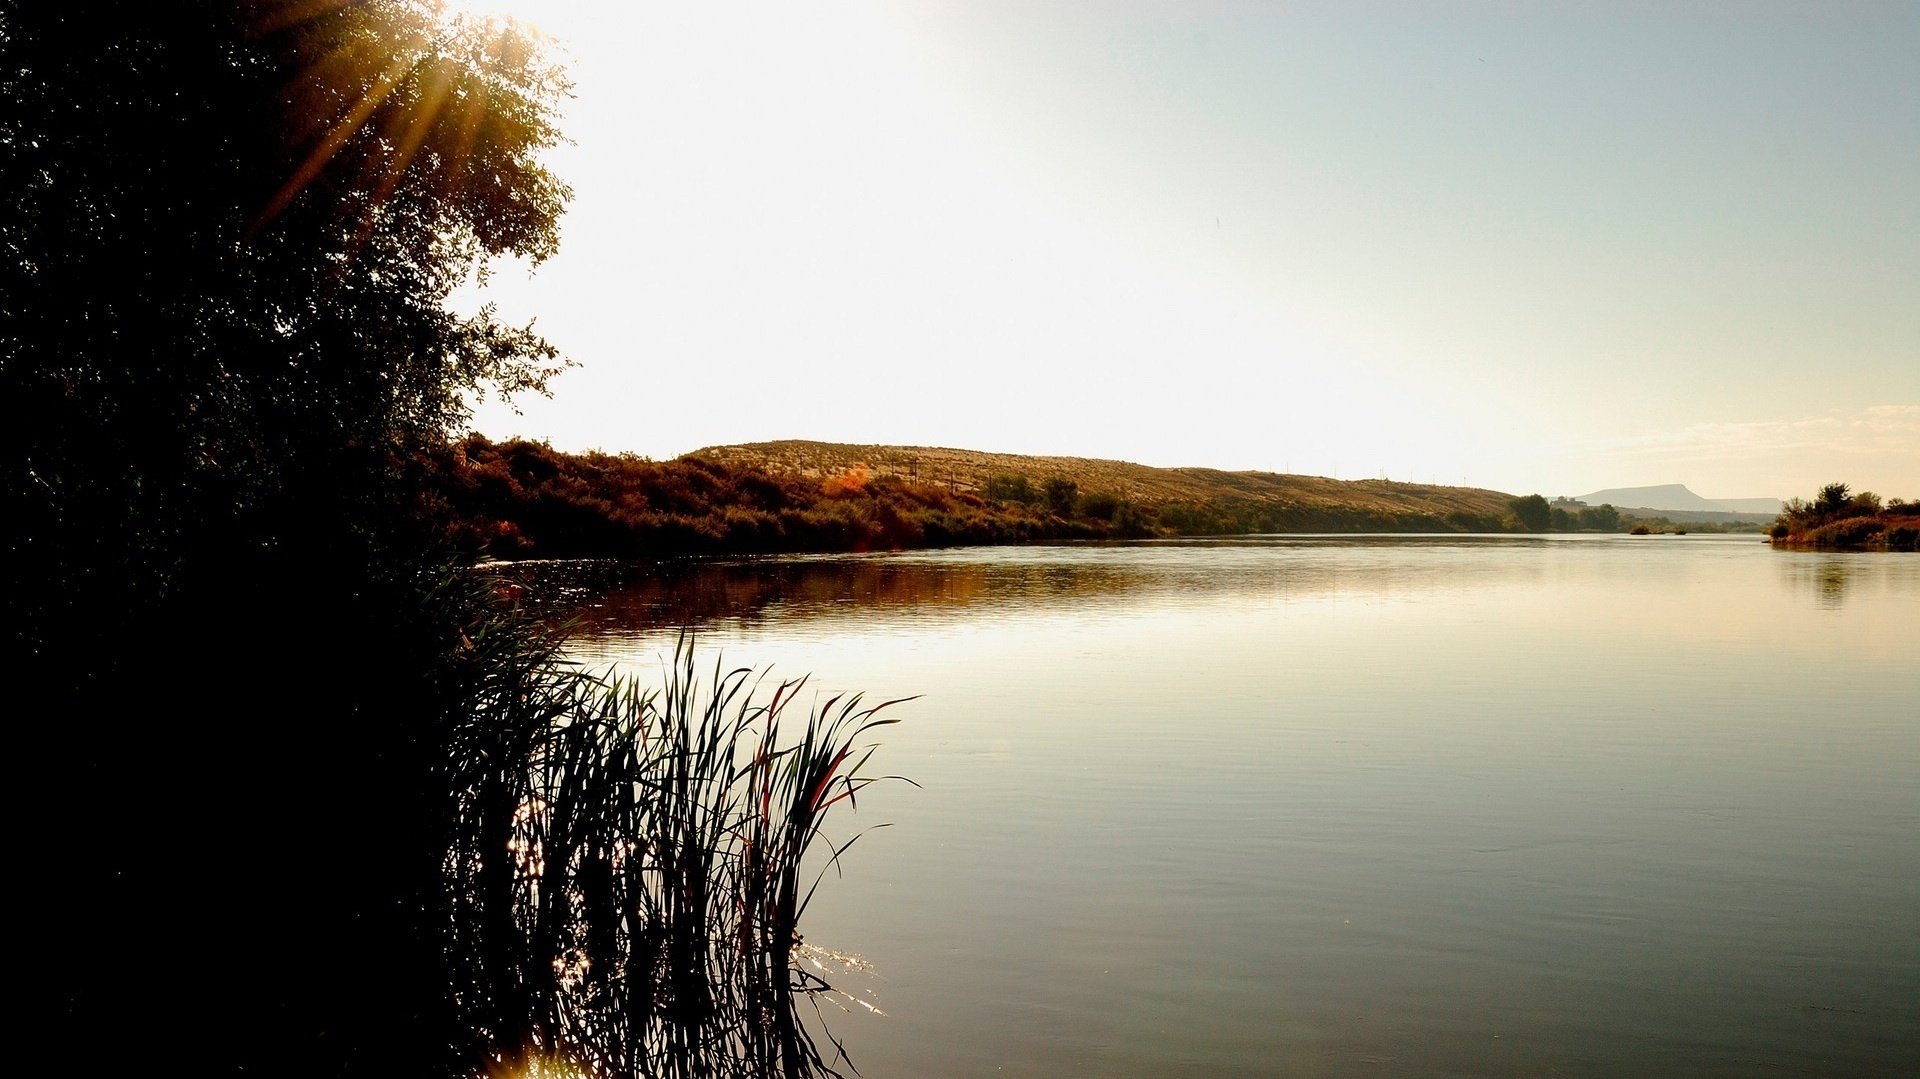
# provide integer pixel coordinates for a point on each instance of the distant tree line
(1534, 513)
(1062, 498)
(526, 499)
(517, 498)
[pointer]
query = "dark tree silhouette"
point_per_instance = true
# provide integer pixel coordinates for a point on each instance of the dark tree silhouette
(1532, 512)
(229, 231)
(1062, 494)
(1833, 499)
(230, 228)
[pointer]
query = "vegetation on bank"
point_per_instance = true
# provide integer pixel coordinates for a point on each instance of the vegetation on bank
(1840, 520)
(517, 499)
(1659, 524)
(232, 228)
(524, 499)
(1386, 504)
(627, 866)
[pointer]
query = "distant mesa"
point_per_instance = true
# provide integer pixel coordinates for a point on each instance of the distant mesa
(1676, 497)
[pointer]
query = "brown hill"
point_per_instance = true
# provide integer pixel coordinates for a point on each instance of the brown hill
(520, 499)
(1154, 488)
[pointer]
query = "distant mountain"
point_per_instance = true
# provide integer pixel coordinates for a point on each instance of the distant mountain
(1676, 496)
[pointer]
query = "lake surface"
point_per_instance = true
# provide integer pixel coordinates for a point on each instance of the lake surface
(1355, 806)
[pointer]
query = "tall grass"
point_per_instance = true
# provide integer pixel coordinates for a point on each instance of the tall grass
(627, 866)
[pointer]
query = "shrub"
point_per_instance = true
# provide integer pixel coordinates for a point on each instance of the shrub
(1131, 521)
(1531, 512)
(1100, 505)
(1008, 487)
(1061, 494)
(1851, 533)
(1603, 517)
(627, 867)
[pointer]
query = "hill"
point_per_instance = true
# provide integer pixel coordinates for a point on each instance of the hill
(1389, 504)
(521, 499)
(1676, 496)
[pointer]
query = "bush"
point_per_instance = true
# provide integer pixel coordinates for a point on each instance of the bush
(1008, 487)
(1061, 494)
(1532, 512)
(1851, 533)
(1099, 505)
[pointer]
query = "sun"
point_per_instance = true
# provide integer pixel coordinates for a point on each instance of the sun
(505, 9)
(525, 12)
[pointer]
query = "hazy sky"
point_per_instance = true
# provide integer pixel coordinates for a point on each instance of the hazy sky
(1530, 246)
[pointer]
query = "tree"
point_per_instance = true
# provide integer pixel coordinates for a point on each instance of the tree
(230, 229)
(1060, 496)
(1832, 500)
(1008, 487)
(1532, 512)
(1100, 505)
(1601, 518)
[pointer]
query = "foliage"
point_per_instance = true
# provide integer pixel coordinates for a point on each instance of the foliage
(1664, 524)
(1844, 534)
(517, 499)
(1100, 505)
(1244, 516)
(969, 471)
(1531, 511)
(1062, 495)
(1008, 487)
(230, 229)
(1601, 518)
(524, 499)
(660, 848)
(1839, 519)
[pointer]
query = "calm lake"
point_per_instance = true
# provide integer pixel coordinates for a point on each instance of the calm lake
(1353, 806)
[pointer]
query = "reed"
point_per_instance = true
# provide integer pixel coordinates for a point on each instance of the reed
(627, 866)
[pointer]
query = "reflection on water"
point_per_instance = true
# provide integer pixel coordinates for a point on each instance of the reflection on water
(1825, 576)
(1575, 805)
(605, 598)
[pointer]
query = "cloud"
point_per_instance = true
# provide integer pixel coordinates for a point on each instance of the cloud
(1872, 431)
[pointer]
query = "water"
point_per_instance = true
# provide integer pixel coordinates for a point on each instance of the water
(1357, 806)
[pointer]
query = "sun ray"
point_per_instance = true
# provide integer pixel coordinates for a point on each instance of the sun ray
(348, 125)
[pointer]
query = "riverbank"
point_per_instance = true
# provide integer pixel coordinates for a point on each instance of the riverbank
(1883, 532)
(1839, 520)
(519, 499)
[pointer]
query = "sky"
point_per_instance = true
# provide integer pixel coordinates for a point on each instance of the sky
(1527, 246)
